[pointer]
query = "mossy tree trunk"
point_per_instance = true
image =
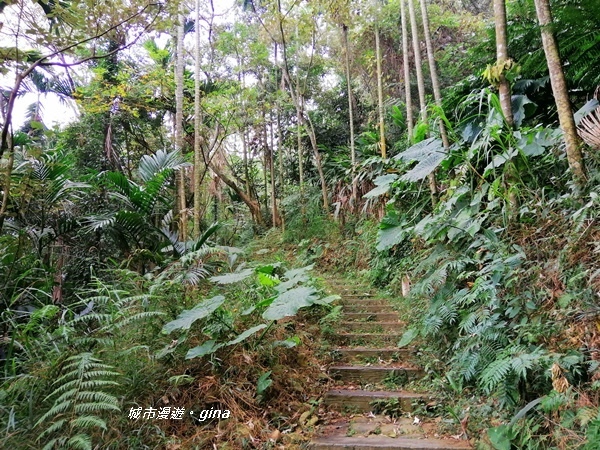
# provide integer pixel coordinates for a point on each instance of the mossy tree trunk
(561, 96)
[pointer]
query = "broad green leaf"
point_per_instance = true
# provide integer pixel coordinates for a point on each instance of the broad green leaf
(246, 334)
(207, 348)
(234, 277)
(263, 383)
(388, 237)
(294, 277)
(268, 268)
(500, 437)
(521, 108)
(267, 280)
(383, 184)
(432, 156)
(528, 407)
(185, 320)
(326, 300)
(248, 311)
(288, 343)
(421, 150)
(408, 336)
(265, 302)
(499, 160)
(289, 302)
(293, 273)
(287, 285)
(170, 348)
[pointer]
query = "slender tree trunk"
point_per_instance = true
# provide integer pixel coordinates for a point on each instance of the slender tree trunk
(437, 93)
(275, 211)
(501, 57)
(318, 162)
(418, 61)
(561, 95)
(297, 99)
(504, 93)
(280, 136)
(299, 136)
(421, 87)
(252, 204)
(180, 179)
(7, 181)
(380, 95)
(409, 112)
(354, 196)
(197, 131)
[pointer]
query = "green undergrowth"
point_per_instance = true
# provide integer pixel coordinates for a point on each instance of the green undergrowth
(502, 308)
(241, 339)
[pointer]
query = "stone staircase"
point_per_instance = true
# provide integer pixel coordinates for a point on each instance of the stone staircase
(369, 372)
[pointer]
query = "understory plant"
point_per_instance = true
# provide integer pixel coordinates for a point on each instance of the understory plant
(496, 282)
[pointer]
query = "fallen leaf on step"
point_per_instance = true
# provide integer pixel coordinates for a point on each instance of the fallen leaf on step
(275, 436)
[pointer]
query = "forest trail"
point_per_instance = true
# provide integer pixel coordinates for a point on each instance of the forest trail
(369, 371)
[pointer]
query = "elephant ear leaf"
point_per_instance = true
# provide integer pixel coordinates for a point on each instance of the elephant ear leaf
(289, 302)
(429, 154)
(185, 320)
(233, 277)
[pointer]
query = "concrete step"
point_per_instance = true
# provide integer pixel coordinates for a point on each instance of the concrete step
(375, 442)
(374, 374)
(351, 290)
(385, 353)
(350, 301)
(353, 401)
(367, 339)
(371, 327)
(371, 317)
(366, 308)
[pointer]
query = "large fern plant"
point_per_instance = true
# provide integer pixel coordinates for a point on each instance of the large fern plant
(79, 402)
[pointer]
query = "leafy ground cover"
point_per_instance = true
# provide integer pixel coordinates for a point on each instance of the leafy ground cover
(243, 341)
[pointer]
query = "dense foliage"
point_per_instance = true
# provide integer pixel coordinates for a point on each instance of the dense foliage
(109, 302)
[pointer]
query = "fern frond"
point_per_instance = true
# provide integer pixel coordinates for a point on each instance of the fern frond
(495, 373)
(96, 396)
(78, 394)
(87, 408)
(80, 442)
(88, 422)
(54, 427)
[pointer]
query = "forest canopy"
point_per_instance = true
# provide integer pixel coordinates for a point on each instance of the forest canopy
(227, 158)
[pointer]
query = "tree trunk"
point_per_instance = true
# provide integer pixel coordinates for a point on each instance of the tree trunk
(252, 204)
(501, 57)
(275, 211)
(407, 93)
(280, 136)
(561, 96)
(297, 99)
(418, 61)
(298, 132)
(7, 181)
(437, 93)
(197, 131)
(180, 178)
(421, 87)
(380, 95)
(354, 196)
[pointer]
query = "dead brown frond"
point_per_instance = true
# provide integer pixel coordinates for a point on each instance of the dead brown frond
(589, 129)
